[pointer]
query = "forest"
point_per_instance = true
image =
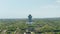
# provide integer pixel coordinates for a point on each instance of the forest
(19, 26)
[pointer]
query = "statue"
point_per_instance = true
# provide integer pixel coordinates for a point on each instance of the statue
(30, 21)
(30, 18)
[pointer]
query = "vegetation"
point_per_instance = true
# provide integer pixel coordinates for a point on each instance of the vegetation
(40, 25)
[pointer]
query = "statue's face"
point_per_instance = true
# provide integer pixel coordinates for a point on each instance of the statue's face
(29, 14)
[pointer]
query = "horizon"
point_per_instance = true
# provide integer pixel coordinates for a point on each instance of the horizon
(32, 18)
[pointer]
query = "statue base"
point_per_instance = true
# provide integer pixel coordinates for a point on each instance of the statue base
(29, 22)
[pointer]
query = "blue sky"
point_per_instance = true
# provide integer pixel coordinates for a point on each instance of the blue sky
(22, 8)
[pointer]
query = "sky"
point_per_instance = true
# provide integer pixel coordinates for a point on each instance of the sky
(22, 8)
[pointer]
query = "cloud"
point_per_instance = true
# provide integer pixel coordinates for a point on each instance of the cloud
(50, 6)
(58, 1)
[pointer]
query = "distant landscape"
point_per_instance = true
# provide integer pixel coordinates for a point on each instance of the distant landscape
(39, 25)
